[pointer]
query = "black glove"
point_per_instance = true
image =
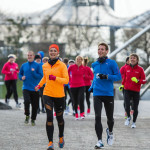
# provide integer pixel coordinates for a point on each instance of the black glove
(103, 76)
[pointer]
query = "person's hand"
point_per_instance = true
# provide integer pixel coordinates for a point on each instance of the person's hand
(32, 69)
(121, 87)
(51, 77)
(134, 79)
(90, 90)
(37, 87)
(102, 76)
(23, 78)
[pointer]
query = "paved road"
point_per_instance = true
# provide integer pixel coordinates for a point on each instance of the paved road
(79, 135)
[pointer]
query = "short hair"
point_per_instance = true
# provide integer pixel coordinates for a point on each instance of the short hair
(45, 58)
(127, 58)
(85, 60)
(31, 52)
(104, 44)
(135, 55)
(65, 60)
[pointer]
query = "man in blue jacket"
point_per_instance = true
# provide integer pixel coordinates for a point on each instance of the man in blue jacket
(106, 72)
(30, 72)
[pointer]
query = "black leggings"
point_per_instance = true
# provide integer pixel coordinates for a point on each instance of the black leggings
(31, 97)
(109, 108)
(11, 86)
(78, 98)
(135, 96)
(87, 94)
(58, 104)
(67, 89)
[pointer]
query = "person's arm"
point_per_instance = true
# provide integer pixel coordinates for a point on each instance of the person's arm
(5, 70)
(116, 76)
(37, 73)
(21, 73)
(43, 80)
(141, 80)
(65, 77)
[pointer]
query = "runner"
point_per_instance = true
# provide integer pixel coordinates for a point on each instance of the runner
(87, 80)
(134, 76)
(55, 76)
(76, 76)
(106, 72)
(11, 70)
(122, 69)
(29, 73)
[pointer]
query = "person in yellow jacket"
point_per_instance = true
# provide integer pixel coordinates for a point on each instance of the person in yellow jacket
(55, 75)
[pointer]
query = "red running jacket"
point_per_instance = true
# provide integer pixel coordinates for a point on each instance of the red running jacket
(130, 72)
(88, 76)
(10, 70)
(76, 76)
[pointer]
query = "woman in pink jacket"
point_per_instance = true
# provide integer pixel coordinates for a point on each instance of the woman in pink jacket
(87, 81)
(76, 74)
(10, 69)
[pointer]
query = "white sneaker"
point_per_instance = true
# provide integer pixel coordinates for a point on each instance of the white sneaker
(127, 122)
(18, 105)
(133, 125)
(99, 145)
(110, 137)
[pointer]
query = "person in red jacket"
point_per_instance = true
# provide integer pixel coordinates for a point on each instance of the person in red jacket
(122, 71)
(87, 81)
(134, 76)
(76, 74)
(10, 69)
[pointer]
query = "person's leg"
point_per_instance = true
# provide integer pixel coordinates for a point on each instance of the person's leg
(14, 89)
(98, 110)
(34, 103)
(59, 109)
(48, 101)
(9, 90)
(109, 108)
(81, 98)
(127, 97)
(136, 97)
(26, 96)
(87, 93)
(65, 89)
(74, 93)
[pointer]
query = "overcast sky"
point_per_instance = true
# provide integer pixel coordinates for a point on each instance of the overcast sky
(124, 8)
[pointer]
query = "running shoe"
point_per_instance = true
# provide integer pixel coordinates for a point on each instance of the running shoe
(61, 142)
(82, 116)
(110, 137)
(133, 125)
(88, 111)
(18, 105)
(33, 122)
(99, 145)
(127, 122)
(76, 116)
(50, 146)
(54, 114)
(131, 112)
(26, 120)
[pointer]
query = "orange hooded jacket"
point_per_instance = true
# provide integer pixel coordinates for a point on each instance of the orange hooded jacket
(54, 88)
